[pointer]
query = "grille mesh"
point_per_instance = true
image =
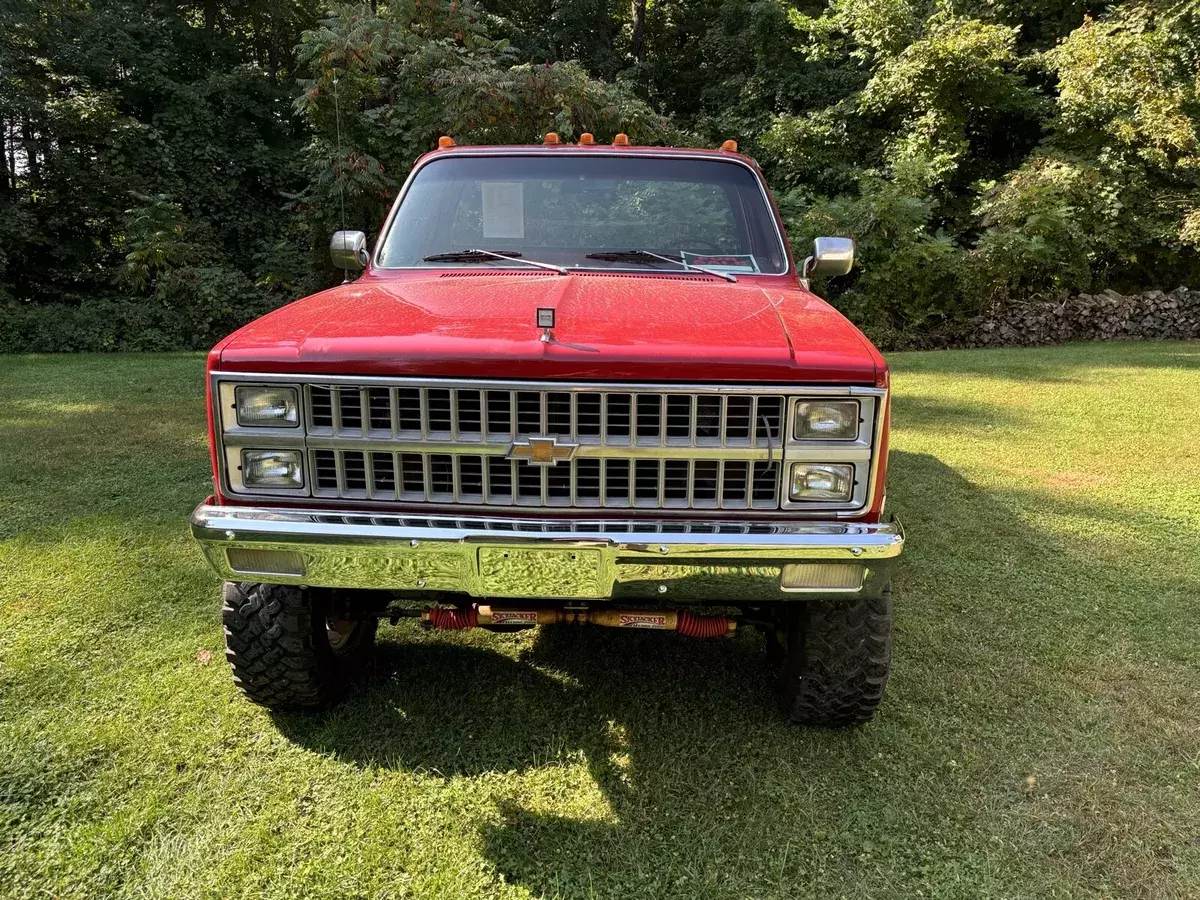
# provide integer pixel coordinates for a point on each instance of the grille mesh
(588, 417)
(449, 445)
(588, 483)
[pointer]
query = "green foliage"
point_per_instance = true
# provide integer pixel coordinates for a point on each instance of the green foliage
(141, 138)
(519, 104)
(980, 152)
(1111, 196)
(368, 100)
(972, 169)
(1129, 83)
(194, 308)
(860, 29)
(1047, 206)
(153, 242)
(384, 84)
(908, 275)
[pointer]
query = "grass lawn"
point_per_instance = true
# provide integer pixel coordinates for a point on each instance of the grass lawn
(1040, 736)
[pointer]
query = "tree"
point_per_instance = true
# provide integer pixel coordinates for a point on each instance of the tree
(157, 158)
(383, 85)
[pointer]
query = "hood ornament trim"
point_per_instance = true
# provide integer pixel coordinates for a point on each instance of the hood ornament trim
(545, 321)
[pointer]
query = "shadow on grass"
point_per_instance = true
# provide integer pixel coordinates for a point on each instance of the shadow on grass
(645, 716)
(1084, 361)
(928, 414)
(704, 786)
(454, 708)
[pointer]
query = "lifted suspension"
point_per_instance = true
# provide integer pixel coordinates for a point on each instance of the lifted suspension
(654, 619)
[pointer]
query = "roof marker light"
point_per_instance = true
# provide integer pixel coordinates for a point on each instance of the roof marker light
(730, 146)
(445, 142)
(586, 138)
(621, 140)
(550, 138)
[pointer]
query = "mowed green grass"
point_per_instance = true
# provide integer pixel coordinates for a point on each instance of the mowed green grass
(1040, 736)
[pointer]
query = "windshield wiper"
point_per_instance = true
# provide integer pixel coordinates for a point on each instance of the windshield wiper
(486, 256)
(644, 256)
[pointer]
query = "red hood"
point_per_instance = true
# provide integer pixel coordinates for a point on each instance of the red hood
(614, 327)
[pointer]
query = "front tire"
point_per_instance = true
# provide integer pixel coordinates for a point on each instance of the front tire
(831, 659)
(286, 650)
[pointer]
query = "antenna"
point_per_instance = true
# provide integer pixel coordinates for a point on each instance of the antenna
(337, 113)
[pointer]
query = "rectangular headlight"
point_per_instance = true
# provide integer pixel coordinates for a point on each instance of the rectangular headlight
(827, 420)
(267, 407)
(272, 469)
(821, 481)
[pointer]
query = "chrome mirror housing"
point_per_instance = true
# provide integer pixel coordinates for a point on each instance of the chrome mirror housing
(348, 250)
(831, 256)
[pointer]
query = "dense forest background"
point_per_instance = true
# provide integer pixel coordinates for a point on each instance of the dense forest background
(171, 169)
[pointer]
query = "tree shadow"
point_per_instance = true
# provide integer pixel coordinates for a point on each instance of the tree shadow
(448, 704)
(1058, 363)
(707, 792)
(929, 414)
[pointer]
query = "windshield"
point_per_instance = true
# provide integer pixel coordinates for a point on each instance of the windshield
(569, 210)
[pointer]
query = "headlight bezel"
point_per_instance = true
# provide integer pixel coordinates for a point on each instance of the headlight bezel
(842, 473)
(243, 392)
(859, 452)
(235, 435)
(852, 413)
(245, 465)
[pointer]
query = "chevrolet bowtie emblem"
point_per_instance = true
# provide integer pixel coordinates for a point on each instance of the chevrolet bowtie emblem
(541, 451)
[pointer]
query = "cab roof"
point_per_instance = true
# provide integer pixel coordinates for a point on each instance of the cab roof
(727, 151)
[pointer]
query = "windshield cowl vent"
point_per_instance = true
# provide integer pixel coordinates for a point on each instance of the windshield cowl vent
(671, 276)
(478, 272)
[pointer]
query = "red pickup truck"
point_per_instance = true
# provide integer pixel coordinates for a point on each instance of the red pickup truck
(581, 384)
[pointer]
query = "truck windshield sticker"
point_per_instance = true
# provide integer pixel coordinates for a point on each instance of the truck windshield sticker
(503, 209)
(724, 262)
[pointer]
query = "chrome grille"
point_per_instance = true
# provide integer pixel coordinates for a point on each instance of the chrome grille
(605, 418)
(637, 448)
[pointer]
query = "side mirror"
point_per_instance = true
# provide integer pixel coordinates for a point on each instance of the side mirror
(831, 256)
(348, 250)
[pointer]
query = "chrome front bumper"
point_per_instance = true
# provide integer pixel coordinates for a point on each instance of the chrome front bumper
(663, 560)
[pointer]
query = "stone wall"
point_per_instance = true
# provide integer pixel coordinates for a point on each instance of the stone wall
(1087, 317)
